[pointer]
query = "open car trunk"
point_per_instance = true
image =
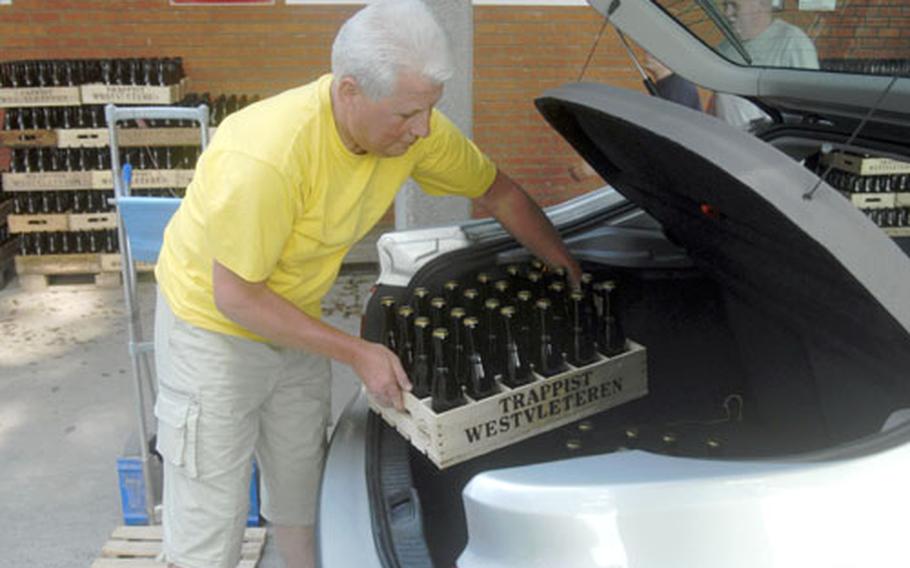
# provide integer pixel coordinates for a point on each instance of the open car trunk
(784, 333)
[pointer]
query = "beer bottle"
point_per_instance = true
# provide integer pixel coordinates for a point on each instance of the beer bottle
(438, 312)
(524, 316)
(535, 283)
(517, 369)
(405, 338)
(421, 302)
(388, 336)
(548, 359)
(556, 291)
(501, 288)
(471, 302)
(479, 384)
(610, 338)
(456, 334)
(582, 350)
(421, 371)
(446, 391)
(513, 273)
(490, 337)
(450, 293)
(483, 285)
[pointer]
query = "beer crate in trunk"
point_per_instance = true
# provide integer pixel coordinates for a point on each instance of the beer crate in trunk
(515, 414)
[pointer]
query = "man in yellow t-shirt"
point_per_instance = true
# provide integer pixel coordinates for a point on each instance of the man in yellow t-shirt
(286, 187)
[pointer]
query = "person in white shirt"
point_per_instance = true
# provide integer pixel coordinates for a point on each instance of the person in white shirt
(770, 42)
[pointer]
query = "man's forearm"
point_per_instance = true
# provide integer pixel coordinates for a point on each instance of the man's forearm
(260, 310)
(525, 221)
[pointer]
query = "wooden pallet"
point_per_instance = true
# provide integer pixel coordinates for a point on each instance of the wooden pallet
(138, 547)
(36, 273)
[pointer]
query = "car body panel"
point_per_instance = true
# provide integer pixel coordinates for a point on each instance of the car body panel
(638, 510)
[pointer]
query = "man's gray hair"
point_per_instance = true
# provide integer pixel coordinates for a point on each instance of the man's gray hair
(387, 37)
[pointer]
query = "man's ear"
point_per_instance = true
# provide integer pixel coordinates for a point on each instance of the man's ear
(348, 88)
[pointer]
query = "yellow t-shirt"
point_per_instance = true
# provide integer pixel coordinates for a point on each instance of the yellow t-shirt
(277, 197)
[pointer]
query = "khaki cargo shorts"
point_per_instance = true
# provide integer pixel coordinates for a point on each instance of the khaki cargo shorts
(220, 400)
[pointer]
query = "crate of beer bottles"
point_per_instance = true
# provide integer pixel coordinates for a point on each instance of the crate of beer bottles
(513, 414)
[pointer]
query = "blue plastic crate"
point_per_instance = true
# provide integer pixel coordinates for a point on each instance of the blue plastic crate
(132, 493)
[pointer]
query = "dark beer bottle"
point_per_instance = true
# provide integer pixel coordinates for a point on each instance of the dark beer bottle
(450, 293)
(535, 283)
(517, 368)
(483, 286)
(421, 302)
(456, 334)
(438, 312)
(582, 350)
(405, 338)
(479, 384)
(388, 336)
(610, 338)
(513, 273)
(446, 391)
(471, 302)
(548, 359)
(490, 338)
(501, 288)
(421, 371)
(556, 291)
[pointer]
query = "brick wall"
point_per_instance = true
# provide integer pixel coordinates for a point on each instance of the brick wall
(519, 53)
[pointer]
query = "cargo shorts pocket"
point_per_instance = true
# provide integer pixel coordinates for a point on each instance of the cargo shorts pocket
(178, 419)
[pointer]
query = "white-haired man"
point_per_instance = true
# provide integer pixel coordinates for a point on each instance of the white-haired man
(287, 186)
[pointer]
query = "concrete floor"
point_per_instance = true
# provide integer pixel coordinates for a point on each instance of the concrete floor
(67, 411)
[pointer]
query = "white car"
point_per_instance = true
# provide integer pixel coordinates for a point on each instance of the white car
(767, 282)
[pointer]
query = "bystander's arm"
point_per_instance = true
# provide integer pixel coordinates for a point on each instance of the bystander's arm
(257, 308)
(524, 220)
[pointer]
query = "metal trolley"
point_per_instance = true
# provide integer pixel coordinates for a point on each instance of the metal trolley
(140, 228)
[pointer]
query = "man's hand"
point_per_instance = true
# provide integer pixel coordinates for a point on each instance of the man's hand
(382, 374)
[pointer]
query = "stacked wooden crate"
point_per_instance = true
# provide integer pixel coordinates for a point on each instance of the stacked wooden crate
(66, 237)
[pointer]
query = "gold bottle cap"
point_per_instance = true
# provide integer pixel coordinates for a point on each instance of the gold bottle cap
(543, 303)
(573, 444)
(576, 295)
(438, 302)
(421, 292)
(451, 285)
(631, 433)
(669, 438)
(406, 311)
(457, 313)
(501, 285)
(557, 287)
(471, 293)
(440, 333)
(491, 303)
(534, 276)
(585, 426)
(508, 311)
(387, 301)
(470, 322)
(586, 278)
(483, 278)
(422, 322)
(512, 270)
(524, 295)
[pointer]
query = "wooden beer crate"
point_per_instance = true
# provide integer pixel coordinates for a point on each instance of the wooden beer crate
(99, 94)
(40, 97)
(897, 231)
(138, 547)
(515, 414)
(145, 179)
(902, 199)
(866, 166)
(113, 262)
(874, 200)
(49, 222)
(92, 221)
(27, 138)
(47, 181)
(128, 137)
